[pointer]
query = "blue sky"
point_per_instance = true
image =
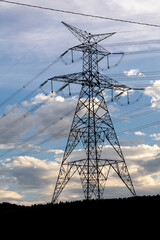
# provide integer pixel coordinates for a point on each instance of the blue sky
(32, 145)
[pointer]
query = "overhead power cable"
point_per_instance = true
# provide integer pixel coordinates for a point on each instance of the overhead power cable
(18, 103)
(154, 41)
(143, 52)
(59, 134)
(139, 128)
(37, 134)
(28, 83)
(81, 14)
(33, 109)
(56, 136)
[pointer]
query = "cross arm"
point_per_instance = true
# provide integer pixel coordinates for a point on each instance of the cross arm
(106, 82)
(75, 78)
(95, 48)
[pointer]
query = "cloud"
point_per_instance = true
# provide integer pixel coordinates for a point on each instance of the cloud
(143, 164)
(155, 136)
(143, 7)
(30, 175)
(139, 133)
(154, 92)
(131, 142)
(52, 116)
(133, 72)
(14, 125)
(7, 195)
(55, 116)
(37, 177)
(34, 37)
(141, 152)
(152, 166)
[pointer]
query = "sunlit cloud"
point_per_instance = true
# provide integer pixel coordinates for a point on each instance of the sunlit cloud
(138, 133)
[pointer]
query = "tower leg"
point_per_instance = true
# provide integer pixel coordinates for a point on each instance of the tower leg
(120, 167)
(65, 174)
(66, 169)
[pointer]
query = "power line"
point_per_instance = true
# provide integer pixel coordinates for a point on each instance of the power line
(37, 134)
(154, 41)
(151, 73)
(139, 128)
(18, 103)
(33, 109)
(56, 135)
(82, 14)
(28, 83)
(143, 52)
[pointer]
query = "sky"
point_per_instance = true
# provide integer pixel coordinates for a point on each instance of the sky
(34, 123)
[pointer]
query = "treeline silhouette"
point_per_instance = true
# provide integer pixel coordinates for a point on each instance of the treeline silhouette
(141, 205)
(115, 218)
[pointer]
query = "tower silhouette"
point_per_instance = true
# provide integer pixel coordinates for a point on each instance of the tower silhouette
(92, 123)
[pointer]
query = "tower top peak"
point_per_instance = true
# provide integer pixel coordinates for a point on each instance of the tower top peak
(84, 36)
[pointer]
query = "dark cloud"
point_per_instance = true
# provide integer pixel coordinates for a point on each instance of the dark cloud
(29, 175)
(131, 142)
(52, 118)
(152, 166)
(31, 178)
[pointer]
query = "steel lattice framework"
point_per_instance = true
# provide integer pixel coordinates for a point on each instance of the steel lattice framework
(92, 123)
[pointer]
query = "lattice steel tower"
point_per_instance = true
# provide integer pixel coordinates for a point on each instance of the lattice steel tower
(92, 123)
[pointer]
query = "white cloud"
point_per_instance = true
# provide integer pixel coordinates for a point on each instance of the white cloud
(155, 136)
(133, 72)
(154, 92)
(60, 99)
(6, 195)
(42, 98)
(141, 152)
(142, 6)
(27, 162)
(139, 133)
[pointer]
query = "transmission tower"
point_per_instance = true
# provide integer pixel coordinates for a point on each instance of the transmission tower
(92, 123)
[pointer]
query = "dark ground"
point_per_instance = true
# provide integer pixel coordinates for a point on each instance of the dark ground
(125, 218)
(133, 205)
